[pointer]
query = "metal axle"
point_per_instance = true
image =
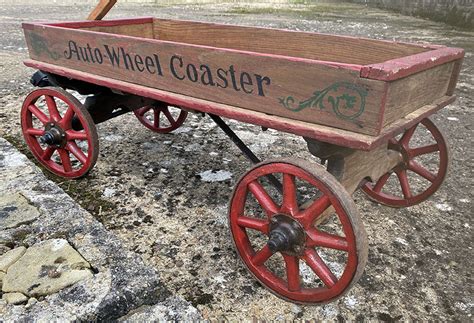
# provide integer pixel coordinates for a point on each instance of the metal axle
(286, 235)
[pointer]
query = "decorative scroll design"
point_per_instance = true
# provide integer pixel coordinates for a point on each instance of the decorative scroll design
(347, 100)
(40, 45)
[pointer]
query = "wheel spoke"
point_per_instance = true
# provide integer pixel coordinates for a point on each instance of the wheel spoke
(407, 136)
(77, 152)
(38, 113)
(168, 115)
(48, 152)
(327, 240)
(52, 108)
(67, 119)
(290, 203)
(76, 135)
(320, 268)
(381, 182)
(263, 198)
(403, 178)
(292, 272)
(143, 110)
(35, 132)
(156, 118)
(420, 170)
(414, 152)
(310, 214)
(260, 257)
(252, 223)
(65, 160)
(393, 141)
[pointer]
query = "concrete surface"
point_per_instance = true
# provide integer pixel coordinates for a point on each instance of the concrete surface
(454, 12)
(147, 190)
(121, 282)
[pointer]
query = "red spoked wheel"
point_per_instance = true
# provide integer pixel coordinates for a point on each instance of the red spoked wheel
(46, 120)
(283, 242)
(425, 165)
(160, 117)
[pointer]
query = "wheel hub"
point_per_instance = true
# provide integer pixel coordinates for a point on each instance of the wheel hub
(53, 136)
(286, 235)
(405, 155)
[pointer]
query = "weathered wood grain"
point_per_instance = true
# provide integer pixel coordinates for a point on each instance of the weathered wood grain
(412, 92)
(319, 132)
(315, 46)
(102, 8)
(359, 166)
(251, 72)
(401, 67)
(294, 88)
(144, 30)
(455, 76)
(370, 165)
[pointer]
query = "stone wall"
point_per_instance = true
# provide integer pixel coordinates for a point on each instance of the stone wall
(454, 12)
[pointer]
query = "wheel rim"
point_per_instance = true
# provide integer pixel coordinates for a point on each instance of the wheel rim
(160, 118)
(411, 165)
(46, 120)
(289, 283)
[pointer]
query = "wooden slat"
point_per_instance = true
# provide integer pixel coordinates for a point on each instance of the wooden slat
(360, 165)
(94, 23)
(101, 9)
(134, 30)
(315, 46)
(261, 82)
(410, 93)
(455, 76)
(322, 133)
(401, 67)
(403, 124)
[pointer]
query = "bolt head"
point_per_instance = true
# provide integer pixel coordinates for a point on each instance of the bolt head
(298, 249)
(274, 220)
(63, 135)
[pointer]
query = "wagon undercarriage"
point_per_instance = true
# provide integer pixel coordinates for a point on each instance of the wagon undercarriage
(63, 137)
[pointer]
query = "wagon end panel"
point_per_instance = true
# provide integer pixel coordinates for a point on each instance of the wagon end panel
(415, 91)
(455, 76)
(417, 80)
(294, 88)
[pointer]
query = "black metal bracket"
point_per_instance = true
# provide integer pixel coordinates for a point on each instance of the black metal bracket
(235, 139)
(244, 148)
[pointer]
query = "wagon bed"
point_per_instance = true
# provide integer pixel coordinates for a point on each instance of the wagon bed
(348, 91)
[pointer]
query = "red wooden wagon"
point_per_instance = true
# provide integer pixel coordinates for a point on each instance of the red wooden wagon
(357, 103)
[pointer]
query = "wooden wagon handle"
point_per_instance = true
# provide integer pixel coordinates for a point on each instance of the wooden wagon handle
(101, 9)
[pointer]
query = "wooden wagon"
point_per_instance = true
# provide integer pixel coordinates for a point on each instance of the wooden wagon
(357, 102)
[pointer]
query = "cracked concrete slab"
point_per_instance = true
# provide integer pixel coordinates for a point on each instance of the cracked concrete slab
(45, 268)
(121, 281)
(15, 210)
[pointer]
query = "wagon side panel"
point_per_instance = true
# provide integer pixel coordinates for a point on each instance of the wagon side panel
(298, 89)
(342, 49)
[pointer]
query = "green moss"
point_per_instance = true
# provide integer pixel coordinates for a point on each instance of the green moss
(79, 189)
